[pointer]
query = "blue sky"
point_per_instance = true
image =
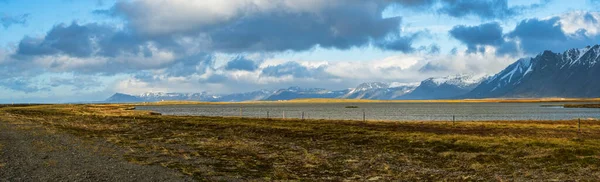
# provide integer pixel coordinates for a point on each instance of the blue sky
(85, 50)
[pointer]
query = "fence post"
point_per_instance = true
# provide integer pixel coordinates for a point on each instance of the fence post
(453, 120)
(364, 116)
(267, 114)
(579, 126)
(283, 114)
(241, 112)
(302, 115)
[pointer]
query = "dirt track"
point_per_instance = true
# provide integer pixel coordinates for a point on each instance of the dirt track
(34, 154)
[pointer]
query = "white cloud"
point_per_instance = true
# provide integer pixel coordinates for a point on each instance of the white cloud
(403, 68)
(391, 68)
(154, 59)
(480, 63)
(581, 20)
(169, 16)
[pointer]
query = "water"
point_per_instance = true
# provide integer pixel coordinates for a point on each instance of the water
(386, 111)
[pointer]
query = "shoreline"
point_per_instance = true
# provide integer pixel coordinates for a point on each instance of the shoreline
(319, 101)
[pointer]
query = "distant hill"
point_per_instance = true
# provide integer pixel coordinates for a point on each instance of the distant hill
(119, 97)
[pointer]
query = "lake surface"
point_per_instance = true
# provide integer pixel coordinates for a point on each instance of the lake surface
(386, 111)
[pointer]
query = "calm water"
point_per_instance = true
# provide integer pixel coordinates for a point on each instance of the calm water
(385, 111)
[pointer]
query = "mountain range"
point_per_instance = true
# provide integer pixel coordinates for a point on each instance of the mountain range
(572, 73)
(445, 87)
(452, 86)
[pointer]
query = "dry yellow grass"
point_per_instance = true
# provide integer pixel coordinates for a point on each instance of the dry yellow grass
(219, 148)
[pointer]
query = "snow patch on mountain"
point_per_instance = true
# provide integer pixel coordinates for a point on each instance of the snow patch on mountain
(460, 80)
(399, 84)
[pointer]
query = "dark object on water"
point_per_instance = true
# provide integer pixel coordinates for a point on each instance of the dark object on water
(155, 113)
(553, 106)
(130, 108)
(351, 106)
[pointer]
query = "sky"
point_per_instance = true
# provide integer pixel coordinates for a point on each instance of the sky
(55, 51)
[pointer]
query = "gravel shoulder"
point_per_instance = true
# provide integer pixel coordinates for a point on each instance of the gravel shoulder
(30, 153)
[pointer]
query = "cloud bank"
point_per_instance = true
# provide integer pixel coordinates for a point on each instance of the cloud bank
(178, 45)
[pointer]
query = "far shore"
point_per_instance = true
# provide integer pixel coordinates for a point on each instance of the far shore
(321, 100)
(333, 100)
(582, 105)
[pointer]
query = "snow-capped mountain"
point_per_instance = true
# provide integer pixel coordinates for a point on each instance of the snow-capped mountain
(297, 93)
(248, 96)
(445, 87)
(379, 91)
(203, 96)
(573, 73)
(158, 96)
(371, 86)
(370, 90)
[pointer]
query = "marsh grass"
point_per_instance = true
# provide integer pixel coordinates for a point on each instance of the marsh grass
(582, 105)
(223, 148)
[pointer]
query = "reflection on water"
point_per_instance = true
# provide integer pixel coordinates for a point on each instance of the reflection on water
(386, 111)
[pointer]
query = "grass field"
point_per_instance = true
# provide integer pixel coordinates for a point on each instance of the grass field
(218, 148)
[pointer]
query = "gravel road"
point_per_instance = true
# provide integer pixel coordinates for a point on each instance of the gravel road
(34, 154)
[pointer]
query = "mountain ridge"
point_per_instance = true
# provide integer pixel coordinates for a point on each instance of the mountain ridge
(570, 74)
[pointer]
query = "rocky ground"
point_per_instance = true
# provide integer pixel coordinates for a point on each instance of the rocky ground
(28, 153)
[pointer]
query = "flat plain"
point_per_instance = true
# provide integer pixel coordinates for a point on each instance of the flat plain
(233, 148)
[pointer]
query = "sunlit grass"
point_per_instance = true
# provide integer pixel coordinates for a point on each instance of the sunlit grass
(221, 148)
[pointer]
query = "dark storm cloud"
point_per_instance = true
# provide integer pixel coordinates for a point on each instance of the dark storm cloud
(531, 36)
(20, 84)
(74, 40)
(82, 40)
(123, 51)
(78, 82)
(215, 78)
(485, 9)
(475, 36)
(189, 65)
(8, 21)
(296, 70)
(343, 26)
(352, 25)
(241, 63)
(534, 35)
(402, 44)
(538, 35)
